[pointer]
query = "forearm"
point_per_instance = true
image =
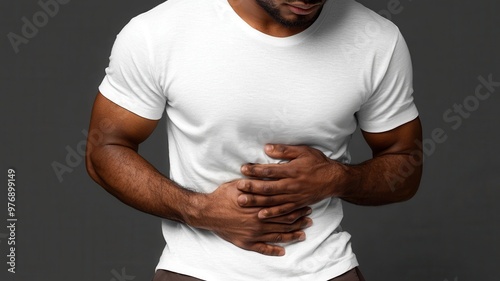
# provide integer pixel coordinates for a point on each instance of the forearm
(382, 180)
(134, 181)
(129, 177)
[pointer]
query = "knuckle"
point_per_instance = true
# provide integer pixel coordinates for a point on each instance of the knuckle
(268, 189)
(290, 228)
(278, 238)
(292, 218)
(267, 172)
(269, 200)
(293, 185)
(261, 248)
(290, 173)
(251, 199)
(287, 188)
(246, 185)
(281, 211)
(294, 171)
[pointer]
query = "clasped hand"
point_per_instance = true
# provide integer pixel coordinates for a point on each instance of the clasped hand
(280, 189)
(272, 204)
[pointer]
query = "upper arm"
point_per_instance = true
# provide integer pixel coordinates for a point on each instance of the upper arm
(404, 139)
(132, 103)
(111, 124)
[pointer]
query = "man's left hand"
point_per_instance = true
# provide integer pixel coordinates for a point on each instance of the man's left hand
(307, 178)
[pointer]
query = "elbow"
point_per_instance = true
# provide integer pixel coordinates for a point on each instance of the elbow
(89, 165)
(410, 188)
(410, 192)
(403, 185)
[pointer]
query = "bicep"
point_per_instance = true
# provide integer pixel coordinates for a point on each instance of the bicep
(404, 139)
(111, 124)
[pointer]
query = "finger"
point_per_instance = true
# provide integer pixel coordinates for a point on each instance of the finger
(291, 217)
(292, 237)
(288, 152)
(268, 171)
(266, 249)
(274, 228)
(261, 187)
(277, 211)
(253, 200)
(297, 226)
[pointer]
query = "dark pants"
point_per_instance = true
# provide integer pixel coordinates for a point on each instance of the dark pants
(163, 275)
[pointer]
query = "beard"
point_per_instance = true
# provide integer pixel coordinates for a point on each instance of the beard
(299, 22)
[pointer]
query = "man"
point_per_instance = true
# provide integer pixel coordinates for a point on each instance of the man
(262, 97)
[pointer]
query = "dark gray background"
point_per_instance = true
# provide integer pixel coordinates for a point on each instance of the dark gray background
(73, 230)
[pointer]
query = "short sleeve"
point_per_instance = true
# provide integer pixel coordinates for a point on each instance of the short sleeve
(130, 80)
(391, 103)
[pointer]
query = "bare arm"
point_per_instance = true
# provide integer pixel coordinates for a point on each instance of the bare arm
(113, 162)
(394, 172)
(392, 175)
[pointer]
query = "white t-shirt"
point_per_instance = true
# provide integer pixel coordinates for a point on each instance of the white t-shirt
(229, 89)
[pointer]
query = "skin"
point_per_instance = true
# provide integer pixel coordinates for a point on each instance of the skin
(252, 213)
(254, 13)
(113, 162)
(310, 176)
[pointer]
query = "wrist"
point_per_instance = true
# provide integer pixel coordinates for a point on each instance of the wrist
(195, 210)
(346, 179)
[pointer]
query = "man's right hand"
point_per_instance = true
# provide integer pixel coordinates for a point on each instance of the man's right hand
(220, 213)
(113, 162)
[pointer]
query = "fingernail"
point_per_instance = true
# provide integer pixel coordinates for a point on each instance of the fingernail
(309, 212)
(309, 223)
(302, 237)
(263, 214)
(242, 200)
(269, 147)
(244, 168)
